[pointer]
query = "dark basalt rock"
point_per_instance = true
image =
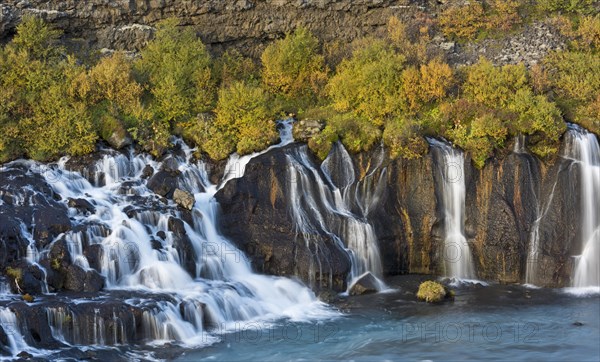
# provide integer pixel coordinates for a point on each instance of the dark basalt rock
(13, 246)
(147, 172)
(257, 218)
(82, 205)
(24, 355)
(183, 245)
(240, 23)
(79, 280)
(94, 253)
(27, 278)
(367, 284)
(163, 183)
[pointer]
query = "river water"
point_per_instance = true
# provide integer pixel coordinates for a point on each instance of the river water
(500, 322)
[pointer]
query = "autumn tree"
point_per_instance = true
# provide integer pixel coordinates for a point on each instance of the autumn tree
(293, 66)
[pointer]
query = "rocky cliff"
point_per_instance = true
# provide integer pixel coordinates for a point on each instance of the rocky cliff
(249, 25)
(245, 24)
(512, 199)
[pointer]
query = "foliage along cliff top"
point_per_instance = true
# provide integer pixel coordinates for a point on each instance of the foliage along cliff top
(398, 88)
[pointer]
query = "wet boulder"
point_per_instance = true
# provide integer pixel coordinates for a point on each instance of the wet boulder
(163, 183)
(183, 245)
(184, 199)
(13, 246)
(366, 284)
(25, 278)
(170, 165)
(119, 137)
(94, 253)
(79, 280)
(305, 129)
(82, 205)
(147, 172)
(50, 221)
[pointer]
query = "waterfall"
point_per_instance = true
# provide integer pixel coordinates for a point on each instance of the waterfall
(582, 147)
(10, 327)
(458, 262)
(182, 301)
(321, 205)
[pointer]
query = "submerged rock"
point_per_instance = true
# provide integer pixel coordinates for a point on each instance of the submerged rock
(366, 284)
(184, 199)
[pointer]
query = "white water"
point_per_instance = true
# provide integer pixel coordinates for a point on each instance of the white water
(319, 207)
(223, 289)
(582, 146)
(458, 261)
(11, 328)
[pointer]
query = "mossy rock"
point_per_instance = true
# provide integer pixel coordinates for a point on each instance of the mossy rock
(433, 292)
(28, 298)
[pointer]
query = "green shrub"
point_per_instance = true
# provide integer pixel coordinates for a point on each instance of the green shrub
(538, 116)
(475, 128)
(413, 46)
(293, 66)
(504, 15)
(571, 6)
(429, 83)
(37, 39)
(176, 68)
(243, 123)
(39, 111)
(321, 144)
(232, 67)
(587, 35)
(355, 133)
(369, 83)
(403, 139)
(463, 22)
(59, 126)
(588, 116)
(494, 86)
(574, 78)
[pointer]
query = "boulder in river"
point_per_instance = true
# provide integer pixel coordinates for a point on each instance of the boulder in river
(431, 292)
(366, 284)
(184, 199)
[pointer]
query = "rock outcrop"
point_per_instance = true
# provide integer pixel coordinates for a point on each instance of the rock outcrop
(250, 25)
(245, 24)
(256, 217)
(503, 202)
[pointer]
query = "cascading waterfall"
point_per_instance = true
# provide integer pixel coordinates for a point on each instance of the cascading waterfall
(582, 147)
(320, 206)
(10, 327)
(458, 262)
(125, 222)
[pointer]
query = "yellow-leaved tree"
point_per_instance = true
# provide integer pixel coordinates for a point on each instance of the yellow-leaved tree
(293, 67)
